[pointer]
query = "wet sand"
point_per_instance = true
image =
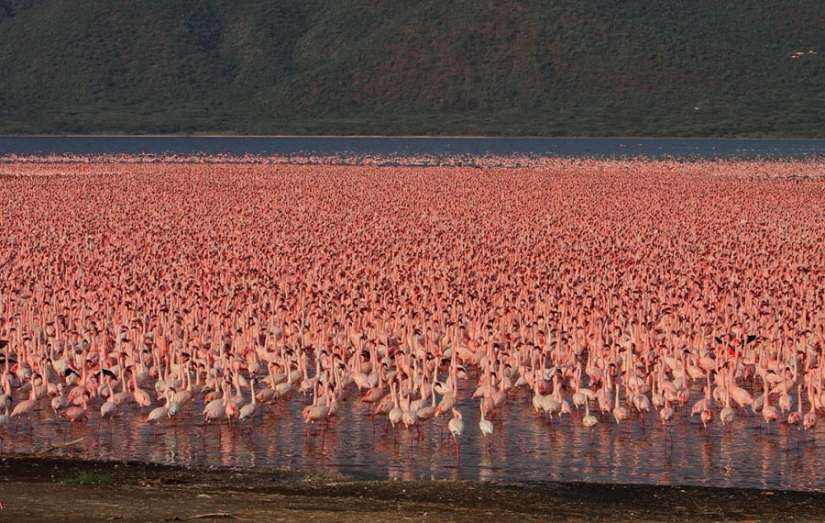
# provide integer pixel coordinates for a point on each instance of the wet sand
(35, 489)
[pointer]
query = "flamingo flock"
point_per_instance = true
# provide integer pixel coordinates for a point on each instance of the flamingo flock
(599, 291)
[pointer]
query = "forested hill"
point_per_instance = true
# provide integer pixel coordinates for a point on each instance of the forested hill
(556, 68)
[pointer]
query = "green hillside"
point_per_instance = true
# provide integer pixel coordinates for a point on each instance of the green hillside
(557, 68)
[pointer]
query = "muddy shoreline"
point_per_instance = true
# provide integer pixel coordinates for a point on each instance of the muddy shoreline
(69, 490)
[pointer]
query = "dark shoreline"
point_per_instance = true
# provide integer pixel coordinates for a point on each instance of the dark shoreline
(36, 488)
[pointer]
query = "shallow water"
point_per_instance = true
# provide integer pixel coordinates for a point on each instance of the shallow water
(524, 447)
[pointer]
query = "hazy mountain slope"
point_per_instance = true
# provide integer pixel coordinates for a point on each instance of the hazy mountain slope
(556, 68)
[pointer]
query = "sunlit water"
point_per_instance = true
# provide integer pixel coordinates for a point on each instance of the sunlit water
(525, 447)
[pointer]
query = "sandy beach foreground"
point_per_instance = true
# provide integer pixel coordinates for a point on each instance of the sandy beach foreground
(35, 489)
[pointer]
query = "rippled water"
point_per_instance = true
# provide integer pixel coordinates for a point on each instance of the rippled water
(524, 446)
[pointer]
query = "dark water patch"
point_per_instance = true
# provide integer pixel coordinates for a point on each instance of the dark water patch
(396, 151)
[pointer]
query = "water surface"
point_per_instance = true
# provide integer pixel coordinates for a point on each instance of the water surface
(417, 147)
(525, 447)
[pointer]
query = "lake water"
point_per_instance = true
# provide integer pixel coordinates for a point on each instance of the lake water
(524, 446)
(418, 147)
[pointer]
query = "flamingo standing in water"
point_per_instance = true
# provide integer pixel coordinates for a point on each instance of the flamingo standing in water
(107, 411)
(769, 412)
(456, 428)
(794, 418)
(4, 418)
(141, 396)
(248, 411)
(59, 401)
(703, 406)
(410, 415)
(810, 419)
(25, 408)
(426, 412)
(216, 409)
(316, 412)
(396, 412)
(485, 425)
(728, 413)
(619, 411)
(158, 414)
(77, 413)
(588, 420)
(666, 417)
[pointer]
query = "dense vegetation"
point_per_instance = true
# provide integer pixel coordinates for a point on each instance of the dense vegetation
(528, 67)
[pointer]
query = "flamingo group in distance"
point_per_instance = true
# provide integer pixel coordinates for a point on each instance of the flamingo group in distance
(591, 288)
